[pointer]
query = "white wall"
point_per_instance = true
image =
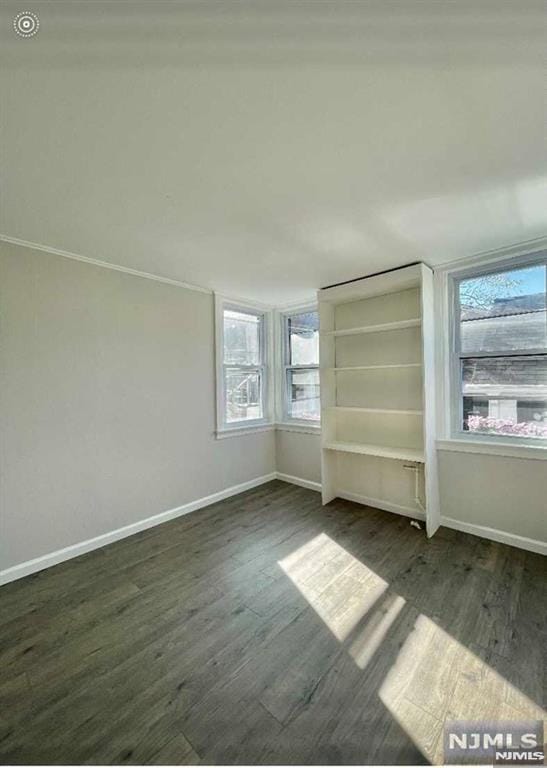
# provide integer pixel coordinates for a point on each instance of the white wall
(499, 492)
(299, 455)
(107, 404)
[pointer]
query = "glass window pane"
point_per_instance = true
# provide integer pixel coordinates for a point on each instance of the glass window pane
(303, 338)
(243, 395)
(304, 394)
(242, 332)
(504, 311)
(505, 395)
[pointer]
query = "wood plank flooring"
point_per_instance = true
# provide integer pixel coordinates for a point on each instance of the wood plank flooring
(267, 629)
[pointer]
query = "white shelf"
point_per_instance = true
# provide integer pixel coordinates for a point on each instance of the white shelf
(393, 326)
(356, 409)
(386, 452)
(363, 456)
(374, 367)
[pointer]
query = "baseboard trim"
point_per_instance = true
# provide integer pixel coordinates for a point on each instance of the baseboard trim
(366, 500)
(67, 553)
(494, 534)
(312, 485)
(387, 506)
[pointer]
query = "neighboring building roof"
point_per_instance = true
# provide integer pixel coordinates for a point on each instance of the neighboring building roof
(502, 333)
(512, 305)
(536, 393)
(507, 325)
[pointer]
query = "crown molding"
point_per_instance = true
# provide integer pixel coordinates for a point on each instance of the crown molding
(243, 302)
(296, 306)
(483, 257)
(105, 264)
(135, 272)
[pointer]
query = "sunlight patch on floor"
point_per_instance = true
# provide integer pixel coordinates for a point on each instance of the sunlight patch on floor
(433, 678)
(370, 638)
(436, 678)
(339, 587)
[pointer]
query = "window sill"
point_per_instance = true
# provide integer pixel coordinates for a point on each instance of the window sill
(241, 431)
(512, 450)
(295, 426)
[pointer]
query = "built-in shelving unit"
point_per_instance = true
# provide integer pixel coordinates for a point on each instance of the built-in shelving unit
(376, 366)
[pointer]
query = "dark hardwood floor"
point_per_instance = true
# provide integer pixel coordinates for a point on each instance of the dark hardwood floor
(269, 629)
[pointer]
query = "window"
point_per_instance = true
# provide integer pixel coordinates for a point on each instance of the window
(500, 352)
(301, 366)
(242, 366)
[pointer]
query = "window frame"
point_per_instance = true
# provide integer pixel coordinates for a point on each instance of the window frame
(453, 420)
(264, 367)
(284, 366)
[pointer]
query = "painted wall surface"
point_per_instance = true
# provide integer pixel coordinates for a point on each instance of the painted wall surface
(495, 491)
(299, 454)
(107, 406)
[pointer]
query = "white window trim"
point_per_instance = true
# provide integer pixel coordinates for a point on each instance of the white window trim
(246, 427)
(304, 427)
(283, 420)
(451, 436)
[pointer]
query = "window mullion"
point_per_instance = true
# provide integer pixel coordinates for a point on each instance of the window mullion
(238, 367)
(504, 353)
(309, 367)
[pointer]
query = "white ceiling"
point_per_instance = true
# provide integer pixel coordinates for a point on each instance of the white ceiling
(266, 149)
